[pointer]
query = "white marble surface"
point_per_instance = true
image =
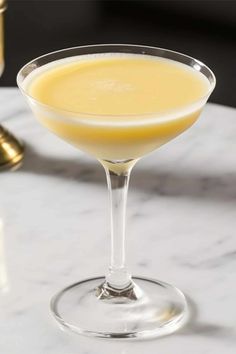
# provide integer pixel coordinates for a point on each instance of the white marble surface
(181, 229)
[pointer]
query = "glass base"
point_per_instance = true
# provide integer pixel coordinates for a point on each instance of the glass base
(146, 308)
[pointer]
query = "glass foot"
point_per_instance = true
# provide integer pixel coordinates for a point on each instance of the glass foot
(146, 308)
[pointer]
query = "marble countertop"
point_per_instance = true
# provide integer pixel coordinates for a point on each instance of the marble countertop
(181, 227)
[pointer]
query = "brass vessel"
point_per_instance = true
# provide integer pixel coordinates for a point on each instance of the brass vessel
(11, 150)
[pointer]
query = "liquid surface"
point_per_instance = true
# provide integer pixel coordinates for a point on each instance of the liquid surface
(118, 84)
(123, 88)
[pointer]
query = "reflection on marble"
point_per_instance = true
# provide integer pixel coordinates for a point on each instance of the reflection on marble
(3, 269)
(181, 229)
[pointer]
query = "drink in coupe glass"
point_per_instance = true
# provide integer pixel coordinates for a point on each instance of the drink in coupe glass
(117, 103)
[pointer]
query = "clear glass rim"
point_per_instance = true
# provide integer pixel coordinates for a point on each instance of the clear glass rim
(150, 116)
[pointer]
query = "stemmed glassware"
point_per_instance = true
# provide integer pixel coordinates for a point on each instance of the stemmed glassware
(117, 305)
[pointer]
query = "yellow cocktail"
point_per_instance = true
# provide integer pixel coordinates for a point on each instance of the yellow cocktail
(118, 103)
(126, 105)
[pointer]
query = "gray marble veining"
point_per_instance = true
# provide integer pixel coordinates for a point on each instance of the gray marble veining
(181, 229)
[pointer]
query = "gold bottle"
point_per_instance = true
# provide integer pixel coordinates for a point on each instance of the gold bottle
(11, 149)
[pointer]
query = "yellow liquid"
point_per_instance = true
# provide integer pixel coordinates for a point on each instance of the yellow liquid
(122, 106)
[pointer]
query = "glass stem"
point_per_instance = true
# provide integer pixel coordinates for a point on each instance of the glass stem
(118, 181)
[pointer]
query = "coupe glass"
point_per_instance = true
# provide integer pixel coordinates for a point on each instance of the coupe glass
(117, 305)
